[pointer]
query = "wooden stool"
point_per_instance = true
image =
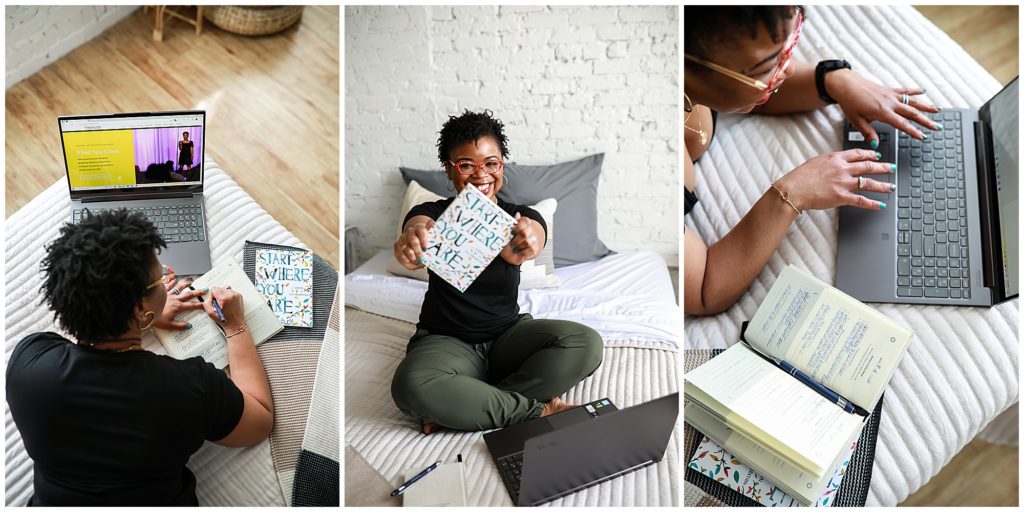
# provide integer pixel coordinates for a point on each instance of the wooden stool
(162, 10)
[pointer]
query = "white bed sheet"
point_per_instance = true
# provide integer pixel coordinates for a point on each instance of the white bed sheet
(961, 370)
(625, 297)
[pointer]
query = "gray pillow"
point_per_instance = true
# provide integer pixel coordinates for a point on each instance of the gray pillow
(573, 184)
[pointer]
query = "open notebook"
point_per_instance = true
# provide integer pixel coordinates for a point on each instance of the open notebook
(205, 338)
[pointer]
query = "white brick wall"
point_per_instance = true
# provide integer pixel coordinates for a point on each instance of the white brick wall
(40, 34)
(566, 81)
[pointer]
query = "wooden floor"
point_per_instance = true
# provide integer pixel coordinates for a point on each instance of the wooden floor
(272, 107)
(983, 474)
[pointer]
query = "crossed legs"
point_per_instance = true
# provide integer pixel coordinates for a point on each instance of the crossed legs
(447, 381)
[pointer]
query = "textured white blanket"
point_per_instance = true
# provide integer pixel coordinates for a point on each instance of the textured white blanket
(626, 297)
(961, 369)
(392, 443)
(225, 476)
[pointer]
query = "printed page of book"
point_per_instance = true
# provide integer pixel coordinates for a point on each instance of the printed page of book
(765, 404)
(205, 337)
(467, 236)
(839, 341)
(763, 470)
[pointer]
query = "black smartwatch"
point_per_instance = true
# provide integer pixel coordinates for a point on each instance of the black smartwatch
(819, 77)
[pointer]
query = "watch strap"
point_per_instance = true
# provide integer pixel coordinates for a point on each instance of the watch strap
(819, 77)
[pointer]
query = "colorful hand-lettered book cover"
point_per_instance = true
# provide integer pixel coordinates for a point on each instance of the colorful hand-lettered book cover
(723, 467)
(467, 237)
(285, 280)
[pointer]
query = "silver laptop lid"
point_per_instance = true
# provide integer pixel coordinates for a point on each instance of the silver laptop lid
(120, 156)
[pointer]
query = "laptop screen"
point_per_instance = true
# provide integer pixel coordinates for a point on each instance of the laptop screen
(133, 151)
(1003, 113)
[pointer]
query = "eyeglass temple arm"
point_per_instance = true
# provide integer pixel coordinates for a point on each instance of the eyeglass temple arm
(728, 72)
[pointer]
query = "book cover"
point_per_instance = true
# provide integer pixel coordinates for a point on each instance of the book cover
(467, 237)
(723, 467)
(442, 487)
(285, 280)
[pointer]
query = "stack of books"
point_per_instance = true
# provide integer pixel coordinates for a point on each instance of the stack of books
(790, 399)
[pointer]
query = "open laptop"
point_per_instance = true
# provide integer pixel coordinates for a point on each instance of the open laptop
(950, 233)
(546, 458)
(150, 162)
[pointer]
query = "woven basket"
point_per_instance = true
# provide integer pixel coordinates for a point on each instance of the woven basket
(253, 20)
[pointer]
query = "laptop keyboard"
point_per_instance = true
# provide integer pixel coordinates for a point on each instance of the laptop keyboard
(511, 466)
(932, 214)
(182, 223)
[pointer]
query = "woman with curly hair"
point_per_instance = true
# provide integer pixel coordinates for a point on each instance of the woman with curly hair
(475, 362)
(104, 421)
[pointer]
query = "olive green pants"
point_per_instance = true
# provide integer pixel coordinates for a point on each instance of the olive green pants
(497, 383)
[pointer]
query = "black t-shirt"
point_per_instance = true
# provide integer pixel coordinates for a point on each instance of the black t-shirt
(489, 306)
(115, 428)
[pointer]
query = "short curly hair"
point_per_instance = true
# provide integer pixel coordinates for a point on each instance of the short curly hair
(97, 271)
(469, 127)
(706, 26)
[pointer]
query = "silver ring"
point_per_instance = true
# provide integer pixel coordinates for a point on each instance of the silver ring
(860, 182)
(175, 291)
(906, 99)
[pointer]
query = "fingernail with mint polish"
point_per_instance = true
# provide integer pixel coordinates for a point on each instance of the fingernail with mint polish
(419, 260)
(892, 167)
(874, 144)
(881, 205)
(924, 136)
(878, 155)
(939, 126)
(188, 326)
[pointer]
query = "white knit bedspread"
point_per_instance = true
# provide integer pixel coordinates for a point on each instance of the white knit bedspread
(225, 476)
(392, 443)
(961, 369)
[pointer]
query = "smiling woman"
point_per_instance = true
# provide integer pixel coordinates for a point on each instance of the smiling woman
(474, 362)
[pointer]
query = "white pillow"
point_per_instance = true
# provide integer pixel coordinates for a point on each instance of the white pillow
(536, 273)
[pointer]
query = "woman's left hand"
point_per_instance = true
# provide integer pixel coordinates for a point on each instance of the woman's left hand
(527, 242)
(178, 303)
(864, 101)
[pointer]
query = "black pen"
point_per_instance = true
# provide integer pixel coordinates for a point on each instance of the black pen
(414, 479)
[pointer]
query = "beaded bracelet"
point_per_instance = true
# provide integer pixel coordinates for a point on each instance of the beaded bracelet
(785, 197)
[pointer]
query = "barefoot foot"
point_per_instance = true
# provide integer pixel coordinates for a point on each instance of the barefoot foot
(555, 405)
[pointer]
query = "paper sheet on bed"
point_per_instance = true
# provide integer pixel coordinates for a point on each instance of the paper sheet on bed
(625, 297)
(953, 345)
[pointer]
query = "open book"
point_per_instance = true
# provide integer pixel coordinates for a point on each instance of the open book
(205, 338)
(837, 341)
(466, 238)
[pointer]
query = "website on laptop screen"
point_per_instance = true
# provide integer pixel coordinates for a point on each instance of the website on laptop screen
(133, 152)
(1006, 143)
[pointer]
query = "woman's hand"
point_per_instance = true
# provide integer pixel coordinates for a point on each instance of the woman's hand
(864, 101)
(830, 180)
(230, 303)
(178, 303)
(527, 242)
(410, 245)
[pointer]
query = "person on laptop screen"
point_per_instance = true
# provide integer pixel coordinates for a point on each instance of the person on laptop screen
(104, 421)
(474, 362)
(740, 60)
